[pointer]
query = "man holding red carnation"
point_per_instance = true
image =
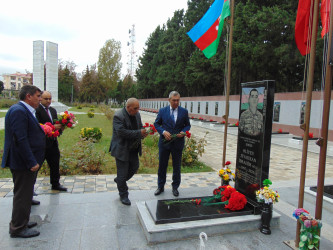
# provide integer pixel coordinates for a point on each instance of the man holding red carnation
(173, 124)
(46, 114)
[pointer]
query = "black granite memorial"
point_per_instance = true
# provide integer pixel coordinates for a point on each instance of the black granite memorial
(163, 213)
(328, 191)
(254, 137)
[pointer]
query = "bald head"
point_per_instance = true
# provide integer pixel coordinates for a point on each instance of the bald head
(132, 106)
(46, 98)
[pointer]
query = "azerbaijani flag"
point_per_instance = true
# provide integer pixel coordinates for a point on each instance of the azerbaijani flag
(207, 32)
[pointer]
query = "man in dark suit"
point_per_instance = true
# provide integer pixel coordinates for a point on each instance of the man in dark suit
(126, 145)
(45, 113)
(23, 154)
(171, 122)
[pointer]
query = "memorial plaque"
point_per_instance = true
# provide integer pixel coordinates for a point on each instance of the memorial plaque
(163, 213)
(254, 136)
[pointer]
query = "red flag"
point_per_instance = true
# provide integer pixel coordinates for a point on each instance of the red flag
(302, 32)
(325, 16)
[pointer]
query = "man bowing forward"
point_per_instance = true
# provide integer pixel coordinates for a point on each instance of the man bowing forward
(172, 122)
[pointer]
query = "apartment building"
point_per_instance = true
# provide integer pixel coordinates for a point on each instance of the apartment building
(16, 81)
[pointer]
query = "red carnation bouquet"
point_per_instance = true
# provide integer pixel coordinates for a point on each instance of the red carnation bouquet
(150, 128)
(66, 119)
(223, 195)
(174, 137)
(49, 130)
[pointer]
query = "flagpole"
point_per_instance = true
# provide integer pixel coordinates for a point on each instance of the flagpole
(306, 125)
(324, 127)
(226, 116)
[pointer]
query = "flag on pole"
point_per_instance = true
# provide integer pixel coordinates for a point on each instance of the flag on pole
(207, 32)
(304, 21)
(325, 10)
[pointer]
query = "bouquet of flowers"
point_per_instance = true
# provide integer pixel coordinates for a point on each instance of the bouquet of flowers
(226, 174)
(174, 137)
(49, 130)
(150, 128)
(66, 119)
(223, 195)
(267, 195)
(309, 238)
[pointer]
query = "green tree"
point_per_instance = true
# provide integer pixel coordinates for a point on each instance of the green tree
(67, 81)
(109, 65)
(1, 86)
(91, 89)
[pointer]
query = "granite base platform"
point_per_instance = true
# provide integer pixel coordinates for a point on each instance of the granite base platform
(156, 233)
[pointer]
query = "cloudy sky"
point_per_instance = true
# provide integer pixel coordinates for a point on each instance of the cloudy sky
(80, 28)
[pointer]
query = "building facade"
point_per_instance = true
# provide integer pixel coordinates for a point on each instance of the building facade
(16, 81)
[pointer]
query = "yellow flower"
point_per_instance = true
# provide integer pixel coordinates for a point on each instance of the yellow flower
(226, 177)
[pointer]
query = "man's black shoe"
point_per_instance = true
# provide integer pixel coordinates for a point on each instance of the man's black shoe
(34, 202)
(35, 194)
(59, 187)
(115, 180)
(31, 224)
(125, 201)
(175, 192)
(25, 233)
(159, 191)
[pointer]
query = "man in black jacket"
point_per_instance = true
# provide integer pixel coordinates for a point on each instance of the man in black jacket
(126, 145)
(45, 113)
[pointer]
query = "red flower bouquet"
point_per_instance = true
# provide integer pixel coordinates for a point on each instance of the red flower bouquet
(150, 128)
(223, 195)
(66, 119)
(49, 130)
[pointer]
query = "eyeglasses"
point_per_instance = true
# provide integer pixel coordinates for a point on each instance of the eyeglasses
(46, 99)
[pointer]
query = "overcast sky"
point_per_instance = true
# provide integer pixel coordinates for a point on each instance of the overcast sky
(80, 28)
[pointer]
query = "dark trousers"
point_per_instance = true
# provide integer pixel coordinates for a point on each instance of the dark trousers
(23, 189)
(164, 155)
(52, 156)
(125, 171)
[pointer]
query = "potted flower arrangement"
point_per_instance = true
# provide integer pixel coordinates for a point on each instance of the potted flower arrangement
(226, 174)
(266, 197)
(310, 228)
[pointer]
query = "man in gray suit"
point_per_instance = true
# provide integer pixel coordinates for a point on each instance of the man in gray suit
(126, 145)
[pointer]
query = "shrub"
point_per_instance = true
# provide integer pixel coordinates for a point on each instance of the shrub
(90, 114)
(193, 149)
(149, 158)
(109, 113)
(88, 158)
(7, 103)
(91, 110)
(79, 107)
(91, 133)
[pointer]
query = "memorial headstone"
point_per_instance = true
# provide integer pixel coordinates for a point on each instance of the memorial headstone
(254, 136)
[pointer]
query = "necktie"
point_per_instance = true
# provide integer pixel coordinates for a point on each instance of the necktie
(172, 115)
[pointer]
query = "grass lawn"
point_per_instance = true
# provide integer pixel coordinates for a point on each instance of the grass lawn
(2, 114)
(70, 137)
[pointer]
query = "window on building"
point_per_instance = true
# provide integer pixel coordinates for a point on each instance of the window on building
(206, 108)
(191, 107)
(216, 108)
(13, 85)
(13, 78)
(186, 105)
(198, 107)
